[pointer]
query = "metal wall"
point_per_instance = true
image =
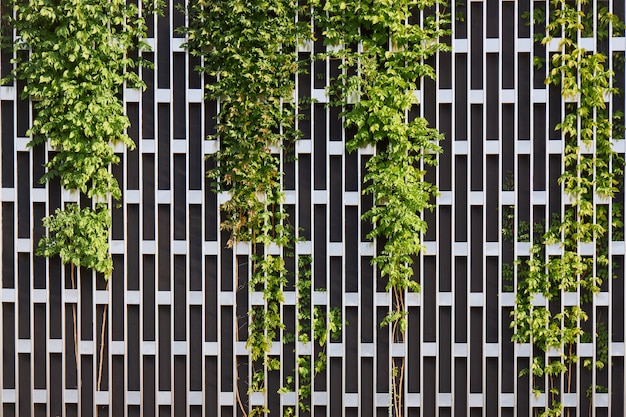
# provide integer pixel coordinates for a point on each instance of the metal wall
(170, 343)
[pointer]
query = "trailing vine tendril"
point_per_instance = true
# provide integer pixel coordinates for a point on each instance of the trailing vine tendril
(592, 172)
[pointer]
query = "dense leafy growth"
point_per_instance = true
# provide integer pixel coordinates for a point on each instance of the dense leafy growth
(77, 64)
(383, 59)
(75, 68)
(80, 237)
(592, 171)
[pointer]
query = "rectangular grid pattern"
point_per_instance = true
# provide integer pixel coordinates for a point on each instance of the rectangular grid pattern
(170, 343)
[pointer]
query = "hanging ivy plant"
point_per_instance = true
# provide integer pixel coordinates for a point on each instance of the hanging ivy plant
(592, 169)
(76, 65)
(73, 57)
(383, 58)
(249, 54)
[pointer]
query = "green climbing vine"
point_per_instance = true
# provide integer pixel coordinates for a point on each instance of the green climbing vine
(249, 56)
(382, 60)
(592, 171)
(76, 63)
(73, 57)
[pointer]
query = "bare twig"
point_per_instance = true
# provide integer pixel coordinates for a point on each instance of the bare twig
(104, 321)
(72, 267)
(236, 286)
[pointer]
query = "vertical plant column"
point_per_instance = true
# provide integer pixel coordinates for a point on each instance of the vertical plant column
(561, 266)
(249, 51)
(382, 62)
(75, 68)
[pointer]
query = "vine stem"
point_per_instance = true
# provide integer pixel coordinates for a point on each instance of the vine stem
(569, 373)
(72, 268)
(399, 394)
(236, 387)
(241, 407)
(397, 380)
(102, 329)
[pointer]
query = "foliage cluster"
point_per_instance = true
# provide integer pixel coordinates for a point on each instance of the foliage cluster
(383, 56)
(73, 56)
(80, 236)
(592, 172)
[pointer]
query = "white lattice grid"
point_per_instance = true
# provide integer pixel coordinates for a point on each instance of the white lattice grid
(445, 403)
